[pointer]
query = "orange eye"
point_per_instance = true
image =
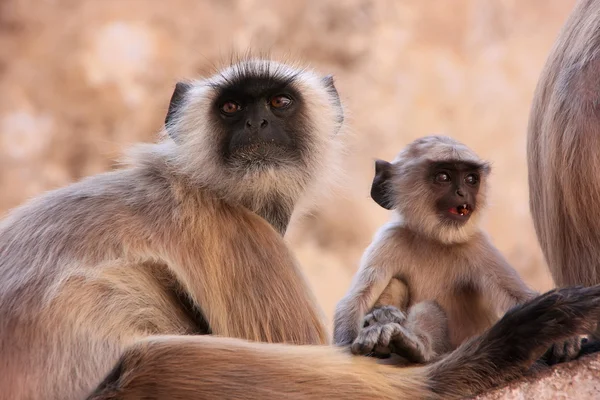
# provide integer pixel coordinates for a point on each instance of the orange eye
(230, 107)
(280, 102)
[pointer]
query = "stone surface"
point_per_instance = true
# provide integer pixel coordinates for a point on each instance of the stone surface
(576, 380)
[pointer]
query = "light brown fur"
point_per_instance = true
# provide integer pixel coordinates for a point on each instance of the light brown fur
(92, 268)
(563, 150)
(458, 268)
(113, 271)
(201, 367)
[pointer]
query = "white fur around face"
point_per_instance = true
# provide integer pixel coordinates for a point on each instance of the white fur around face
(413, 205)
(198, 155)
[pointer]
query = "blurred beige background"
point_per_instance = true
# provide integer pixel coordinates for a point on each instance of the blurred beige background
(79, 80)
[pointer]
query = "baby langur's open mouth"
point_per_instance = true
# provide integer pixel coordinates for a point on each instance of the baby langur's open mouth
(463, 210)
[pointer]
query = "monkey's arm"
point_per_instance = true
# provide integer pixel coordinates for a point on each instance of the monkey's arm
(503, 283)
(372, 278)
(509, 290)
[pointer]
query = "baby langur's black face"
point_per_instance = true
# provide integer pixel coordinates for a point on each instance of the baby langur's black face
(261, 122)
(455, 186)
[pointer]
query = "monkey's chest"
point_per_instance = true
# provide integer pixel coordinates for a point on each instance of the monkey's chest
(468, 311)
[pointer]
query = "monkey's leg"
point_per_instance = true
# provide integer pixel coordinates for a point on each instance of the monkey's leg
(395, 294)
(428, 323)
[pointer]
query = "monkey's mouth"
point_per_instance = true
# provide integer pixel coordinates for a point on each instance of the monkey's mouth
(462, 210)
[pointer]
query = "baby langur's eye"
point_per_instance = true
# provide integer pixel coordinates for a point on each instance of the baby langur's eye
(230, 107)
(471, 179)
(280, 102)
(442, 177)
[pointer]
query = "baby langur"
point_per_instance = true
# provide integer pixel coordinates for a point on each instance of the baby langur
(433, 276)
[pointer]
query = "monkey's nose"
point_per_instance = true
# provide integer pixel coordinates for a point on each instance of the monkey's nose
(460, 192)
(262, 124)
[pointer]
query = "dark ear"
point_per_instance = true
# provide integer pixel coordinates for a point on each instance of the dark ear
(381, 190)
(330, 86)
(181, 89)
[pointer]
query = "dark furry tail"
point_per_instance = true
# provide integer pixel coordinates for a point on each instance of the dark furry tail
(510, 347)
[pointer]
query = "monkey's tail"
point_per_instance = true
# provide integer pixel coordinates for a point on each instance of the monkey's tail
(205, 367)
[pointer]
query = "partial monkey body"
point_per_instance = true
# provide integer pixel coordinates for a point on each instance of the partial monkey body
(563, 151)
(471, 282)
(433, 245)
(107, 285)
(186, 238)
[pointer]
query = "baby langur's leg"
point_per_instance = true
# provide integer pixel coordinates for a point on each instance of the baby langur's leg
(395, 294)
(428, 322)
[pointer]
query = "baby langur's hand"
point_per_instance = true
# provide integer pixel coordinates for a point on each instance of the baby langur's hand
(378, 327)
(382, 339)
(563, 351)
(384, 315)
(384, 333)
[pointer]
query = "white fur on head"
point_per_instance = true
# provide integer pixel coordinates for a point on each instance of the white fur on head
(199, 155)
(413, 198)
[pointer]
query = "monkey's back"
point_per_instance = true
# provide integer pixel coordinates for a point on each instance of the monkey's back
(563, 151)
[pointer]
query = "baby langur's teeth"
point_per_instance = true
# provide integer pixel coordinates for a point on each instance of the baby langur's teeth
(462, 209)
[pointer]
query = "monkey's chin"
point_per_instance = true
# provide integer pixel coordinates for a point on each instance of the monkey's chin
(261, 155)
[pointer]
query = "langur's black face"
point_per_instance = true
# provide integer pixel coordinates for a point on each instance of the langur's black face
(455, 185)
(261, 121)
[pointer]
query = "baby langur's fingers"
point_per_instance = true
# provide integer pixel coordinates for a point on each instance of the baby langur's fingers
(564, 351)
(388, 331)
(380, 325)
(366, 340)
(384, 315)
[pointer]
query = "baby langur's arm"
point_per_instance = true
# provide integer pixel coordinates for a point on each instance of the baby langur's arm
(380, 323)
(508, 289)
(503, 284)
(367, 287)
